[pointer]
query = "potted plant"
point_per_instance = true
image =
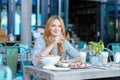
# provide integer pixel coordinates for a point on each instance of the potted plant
(95, 49)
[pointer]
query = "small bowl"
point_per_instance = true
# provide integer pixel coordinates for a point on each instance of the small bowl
(65, 64)
(49, 60)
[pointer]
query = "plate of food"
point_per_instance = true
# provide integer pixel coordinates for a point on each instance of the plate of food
(79, 65)
(62, 64)
(73, 65)
(54, 68)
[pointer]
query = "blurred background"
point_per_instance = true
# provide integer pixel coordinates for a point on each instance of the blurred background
(88, 20)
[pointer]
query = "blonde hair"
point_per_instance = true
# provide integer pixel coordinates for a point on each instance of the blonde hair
(49, 38)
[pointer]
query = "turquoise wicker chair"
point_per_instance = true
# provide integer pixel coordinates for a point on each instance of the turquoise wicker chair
(11, 58)
(82, 44)
(5, 73)
(114, 47)
(25, 49)
(28, 47)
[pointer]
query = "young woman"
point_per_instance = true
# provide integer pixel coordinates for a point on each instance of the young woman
(54, 43)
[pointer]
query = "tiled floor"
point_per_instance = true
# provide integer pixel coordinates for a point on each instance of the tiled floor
(113, 78)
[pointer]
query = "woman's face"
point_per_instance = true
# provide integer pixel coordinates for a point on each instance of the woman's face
(55, 28)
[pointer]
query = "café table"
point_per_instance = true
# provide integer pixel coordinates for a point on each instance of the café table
(73, 74)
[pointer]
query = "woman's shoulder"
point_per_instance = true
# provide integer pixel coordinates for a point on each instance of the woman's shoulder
(66, 42)
(39, 39)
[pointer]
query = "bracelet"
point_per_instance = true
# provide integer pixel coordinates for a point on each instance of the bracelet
(37, 56)
(41, 55)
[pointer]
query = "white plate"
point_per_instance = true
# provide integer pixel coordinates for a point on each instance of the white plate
(54, 68)
(49, 67)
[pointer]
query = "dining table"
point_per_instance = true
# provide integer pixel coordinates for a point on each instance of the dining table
(91, 72)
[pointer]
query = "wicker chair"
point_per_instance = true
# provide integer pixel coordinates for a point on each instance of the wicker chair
(12, 53)
(25, 49)
(5, 73)
(11, 58)
(114, 47)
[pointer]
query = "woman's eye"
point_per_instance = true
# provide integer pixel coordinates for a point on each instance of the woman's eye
(56, 26)
(59, 26)
(53, 25)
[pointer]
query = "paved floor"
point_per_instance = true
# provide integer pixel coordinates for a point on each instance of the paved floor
(113, 78)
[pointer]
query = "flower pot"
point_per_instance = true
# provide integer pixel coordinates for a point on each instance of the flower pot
(94, 60)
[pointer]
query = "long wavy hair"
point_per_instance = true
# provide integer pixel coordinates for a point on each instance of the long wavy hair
(49, 38)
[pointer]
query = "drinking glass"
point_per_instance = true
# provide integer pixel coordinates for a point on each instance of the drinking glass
(104, 56)
(83, 56)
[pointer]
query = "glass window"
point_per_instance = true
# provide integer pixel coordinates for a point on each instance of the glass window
(17, 28)
(4, 18)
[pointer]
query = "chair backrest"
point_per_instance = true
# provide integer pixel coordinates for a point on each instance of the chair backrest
(114, 47)
(82, 44)
(12, 54)
(5, 73)
(24, 50)
(3, 43)
(28, 47)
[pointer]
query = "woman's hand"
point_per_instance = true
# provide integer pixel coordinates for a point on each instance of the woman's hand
(59, 39)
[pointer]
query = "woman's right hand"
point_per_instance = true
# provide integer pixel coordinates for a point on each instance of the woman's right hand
(59, 39)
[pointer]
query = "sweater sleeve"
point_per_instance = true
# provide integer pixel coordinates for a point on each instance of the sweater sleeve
(39, 46)
(70, 50)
